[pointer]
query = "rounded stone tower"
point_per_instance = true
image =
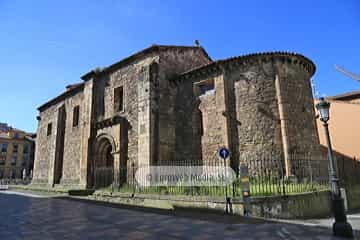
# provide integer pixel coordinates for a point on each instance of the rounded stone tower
(260, 106)
(273, 103)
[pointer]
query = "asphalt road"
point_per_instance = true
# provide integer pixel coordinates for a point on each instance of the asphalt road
(31, 217)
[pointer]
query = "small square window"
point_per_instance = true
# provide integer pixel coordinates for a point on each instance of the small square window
(49, 126)
(205, 87)
(76, 113)
(118, 99)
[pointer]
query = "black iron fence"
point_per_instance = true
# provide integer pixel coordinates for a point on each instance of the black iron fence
(349, 171)
(267, 177)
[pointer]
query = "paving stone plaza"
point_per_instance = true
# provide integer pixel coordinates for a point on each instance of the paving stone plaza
(59, 218)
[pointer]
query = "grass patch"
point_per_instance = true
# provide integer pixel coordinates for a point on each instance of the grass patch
(235, 190)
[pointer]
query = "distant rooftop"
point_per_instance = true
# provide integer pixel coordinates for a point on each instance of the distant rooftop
(346, 96)
(5, 128)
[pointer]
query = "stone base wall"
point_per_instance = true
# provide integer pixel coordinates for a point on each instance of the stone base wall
(307, 205)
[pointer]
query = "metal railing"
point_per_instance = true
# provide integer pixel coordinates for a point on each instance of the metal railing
(349, 171)
(266, 177)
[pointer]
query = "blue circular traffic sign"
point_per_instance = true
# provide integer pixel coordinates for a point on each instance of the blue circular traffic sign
(224, 152)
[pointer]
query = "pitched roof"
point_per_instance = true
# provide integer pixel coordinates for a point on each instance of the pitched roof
(4, 134)
(75, 88)
(346, 96)
(151, 49)
(243, 59)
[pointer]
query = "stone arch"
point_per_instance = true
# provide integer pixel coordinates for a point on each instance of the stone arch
(103, 161)
(104, 144)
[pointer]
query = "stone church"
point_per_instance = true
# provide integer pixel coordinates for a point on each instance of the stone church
(172, 104)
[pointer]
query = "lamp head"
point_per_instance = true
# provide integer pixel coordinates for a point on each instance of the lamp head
(323, 107)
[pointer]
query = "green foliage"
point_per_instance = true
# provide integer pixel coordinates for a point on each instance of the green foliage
(258, 187)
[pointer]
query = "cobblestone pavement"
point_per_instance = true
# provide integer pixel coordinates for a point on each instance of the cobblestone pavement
(24, 217)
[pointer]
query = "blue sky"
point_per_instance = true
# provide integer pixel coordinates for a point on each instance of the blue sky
(46, 45)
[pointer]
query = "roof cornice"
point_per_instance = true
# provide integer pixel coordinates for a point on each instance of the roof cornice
(134, 57)
(218, 66)
(67, 93)
(346, 96)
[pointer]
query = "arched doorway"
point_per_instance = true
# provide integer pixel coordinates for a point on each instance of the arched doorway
(104, 162)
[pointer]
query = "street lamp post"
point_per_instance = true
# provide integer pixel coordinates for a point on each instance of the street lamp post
(340, 227)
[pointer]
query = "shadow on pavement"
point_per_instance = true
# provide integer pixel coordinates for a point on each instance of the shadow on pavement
(194, 213)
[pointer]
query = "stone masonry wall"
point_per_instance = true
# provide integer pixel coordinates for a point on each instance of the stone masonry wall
(167, 120)
(257, 113)
(131, 77)
(211, 134)
(175, 104)
(185, 104)
(45, 146)
(244, 113)
(71, 161)
(298, 106)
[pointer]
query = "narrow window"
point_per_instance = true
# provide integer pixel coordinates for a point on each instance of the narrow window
(13, 159)
(2, 159)
(201, 123)
(15, 148)
(118, 99)
(4, 147)
(49, 126)
(25, 160)
(26, 149)
(76, 113)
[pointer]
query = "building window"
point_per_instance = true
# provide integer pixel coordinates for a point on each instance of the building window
(205, 87)
(13, 173)
(49, 126)
(26, 148)
(4, 147)
(25, 160)
(15, 148)
(118, 99)
(76, 113)
(1, 173)
(13, 159)
(2, 159)
(16, 135)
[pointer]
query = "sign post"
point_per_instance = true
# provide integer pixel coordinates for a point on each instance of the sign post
(245, 185)
(224, 153)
